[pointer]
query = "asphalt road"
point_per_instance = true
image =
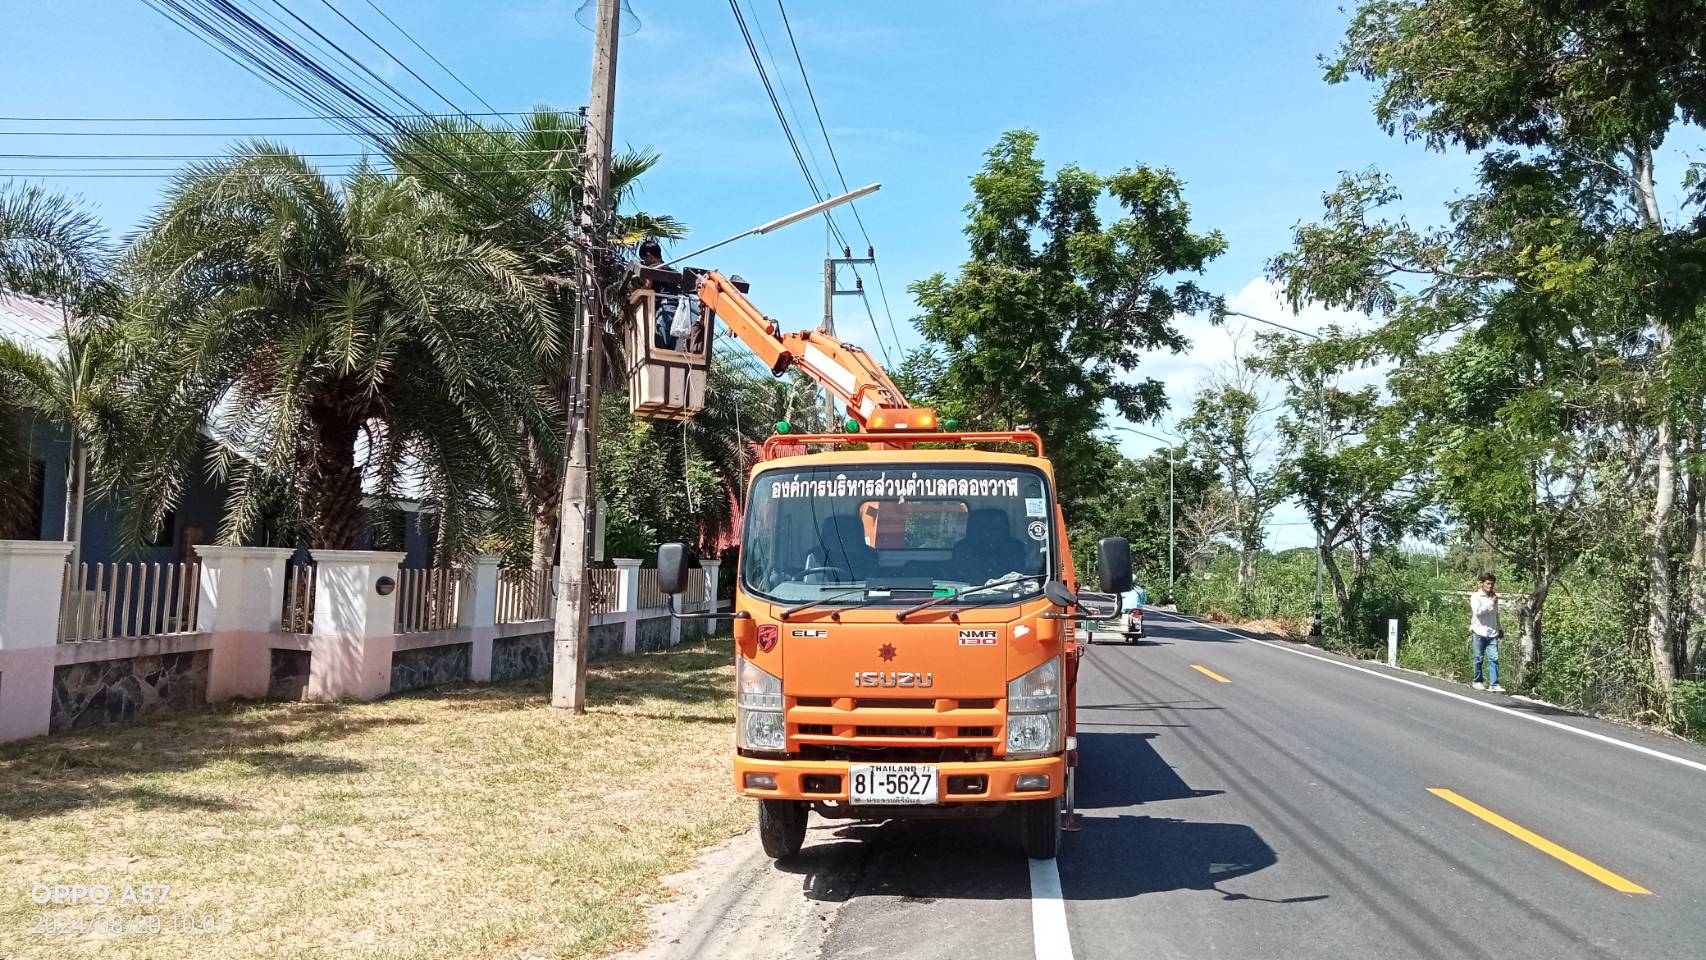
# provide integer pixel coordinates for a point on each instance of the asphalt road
(1245, 800)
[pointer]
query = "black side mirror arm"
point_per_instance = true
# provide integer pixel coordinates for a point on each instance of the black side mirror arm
(675, 612)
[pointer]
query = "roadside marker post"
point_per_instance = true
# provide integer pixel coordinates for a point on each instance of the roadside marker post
(1392, 643)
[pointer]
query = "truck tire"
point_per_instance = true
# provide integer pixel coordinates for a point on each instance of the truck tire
(781, 827)
(1039, 824)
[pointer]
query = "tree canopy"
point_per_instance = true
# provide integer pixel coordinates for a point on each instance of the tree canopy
(1047, 323)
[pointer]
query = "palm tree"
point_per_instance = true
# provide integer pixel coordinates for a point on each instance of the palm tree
(521, 186)
(329, 331)
(53, 247)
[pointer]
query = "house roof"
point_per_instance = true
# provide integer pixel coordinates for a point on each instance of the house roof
(30, 321)
(36, 323)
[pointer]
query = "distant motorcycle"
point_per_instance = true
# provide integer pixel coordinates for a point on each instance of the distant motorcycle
(1103, 612)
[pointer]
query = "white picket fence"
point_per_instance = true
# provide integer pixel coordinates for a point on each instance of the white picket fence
(114, 601)
(524, 595)
(427, 598)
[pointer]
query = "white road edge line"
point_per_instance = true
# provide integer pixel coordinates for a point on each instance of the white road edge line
(1649, 751)
(1048, 912)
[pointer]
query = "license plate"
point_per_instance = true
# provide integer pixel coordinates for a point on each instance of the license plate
(892, 783)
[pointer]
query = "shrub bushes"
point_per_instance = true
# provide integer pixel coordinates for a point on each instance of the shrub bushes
(1592, 655)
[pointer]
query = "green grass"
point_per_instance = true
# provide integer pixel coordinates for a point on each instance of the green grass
(475, 822)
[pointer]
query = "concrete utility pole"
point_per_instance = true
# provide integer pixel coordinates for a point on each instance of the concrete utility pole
(830, 292)
(828, 326)
(580, 492)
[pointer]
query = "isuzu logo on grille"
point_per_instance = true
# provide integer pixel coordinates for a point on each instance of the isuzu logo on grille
(891, 678)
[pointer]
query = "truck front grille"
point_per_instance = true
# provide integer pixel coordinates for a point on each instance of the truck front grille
(894, 721)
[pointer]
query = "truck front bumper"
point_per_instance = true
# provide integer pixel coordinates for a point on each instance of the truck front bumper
(827, 779)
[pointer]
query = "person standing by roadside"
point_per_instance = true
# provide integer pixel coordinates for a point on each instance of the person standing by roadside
(1484, 633)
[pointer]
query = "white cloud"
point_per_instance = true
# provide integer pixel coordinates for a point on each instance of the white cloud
(1218, 347)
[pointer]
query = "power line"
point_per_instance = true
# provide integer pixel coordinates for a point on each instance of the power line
(175, 133)
(823, 128)
(793, 142)
(782, 83)
(167, 173)
(493, 111)
(382, 49)
(405, 116)
(776, 105)
(330, 91)
(518, 151)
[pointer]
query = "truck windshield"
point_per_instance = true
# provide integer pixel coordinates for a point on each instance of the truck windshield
(904, 532)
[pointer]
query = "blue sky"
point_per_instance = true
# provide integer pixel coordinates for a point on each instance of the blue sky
(1228, 94)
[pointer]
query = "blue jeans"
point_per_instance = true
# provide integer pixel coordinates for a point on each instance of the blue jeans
(1485, 648)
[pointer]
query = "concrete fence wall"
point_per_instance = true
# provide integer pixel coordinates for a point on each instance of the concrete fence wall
(349, 643)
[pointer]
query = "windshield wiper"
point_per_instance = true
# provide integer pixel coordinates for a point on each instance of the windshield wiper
(785, 614)
(909, 611)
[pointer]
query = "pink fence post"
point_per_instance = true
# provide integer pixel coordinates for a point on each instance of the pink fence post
(32, 581)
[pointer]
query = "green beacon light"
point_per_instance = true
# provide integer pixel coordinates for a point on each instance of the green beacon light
(950, 425)
(851, 426)
(782, 426)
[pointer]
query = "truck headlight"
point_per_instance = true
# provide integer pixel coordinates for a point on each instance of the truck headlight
(1037, 691)
(1033, 711)
(763, 730)
(1029, 733)
(758, 701)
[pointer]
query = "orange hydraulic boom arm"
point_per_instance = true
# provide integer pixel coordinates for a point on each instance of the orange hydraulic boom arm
(844, 370)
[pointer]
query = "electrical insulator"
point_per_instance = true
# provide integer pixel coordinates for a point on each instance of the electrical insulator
(870, 253)
(846, 253)
(859, 283)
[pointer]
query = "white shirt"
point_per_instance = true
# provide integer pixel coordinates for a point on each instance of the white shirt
(1483, 614)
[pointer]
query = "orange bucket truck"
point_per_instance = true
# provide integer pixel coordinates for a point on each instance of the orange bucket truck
(904, 613)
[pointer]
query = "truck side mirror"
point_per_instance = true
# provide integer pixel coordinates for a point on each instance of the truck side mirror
(1058, 594)
(674, 560)
(1113, 564)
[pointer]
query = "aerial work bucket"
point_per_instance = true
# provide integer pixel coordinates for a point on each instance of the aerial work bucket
(668, 344)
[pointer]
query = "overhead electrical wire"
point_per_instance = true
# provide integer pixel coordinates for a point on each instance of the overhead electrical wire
(337, 96)
(788, 97)
(818, 194)
(836, 162)
(519, 151)
(494, 111)
(382, 49)
(332, 92)
(781, 117)
(167, 173)
(486, 113)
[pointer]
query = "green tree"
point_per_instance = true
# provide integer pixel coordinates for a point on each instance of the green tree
(1046, 324)
(54, 248)
(1577, 97)
(1349, 464)
(1137, 503)
(328, 331)
(1228, 430)
(520, 187)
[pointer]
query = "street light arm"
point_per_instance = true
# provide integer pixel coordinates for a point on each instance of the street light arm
(782, 221)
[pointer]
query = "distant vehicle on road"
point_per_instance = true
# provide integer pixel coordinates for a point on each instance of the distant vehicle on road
(1120, 613)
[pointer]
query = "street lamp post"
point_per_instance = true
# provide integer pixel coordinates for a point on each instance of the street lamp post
(1321, 435)
(1172, 501)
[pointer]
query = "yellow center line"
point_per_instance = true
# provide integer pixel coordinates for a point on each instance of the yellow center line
(1202, 669)
(1540, 843)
